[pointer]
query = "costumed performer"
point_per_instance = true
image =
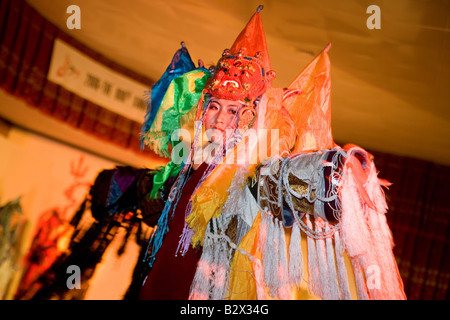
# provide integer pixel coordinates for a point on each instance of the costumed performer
(269, 207)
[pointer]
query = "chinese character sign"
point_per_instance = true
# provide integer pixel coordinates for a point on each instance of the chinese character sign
(93, 81)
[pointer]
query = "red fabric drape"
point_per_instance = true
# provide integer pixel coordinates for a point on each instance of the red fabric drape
(418, 216)
(26, 44)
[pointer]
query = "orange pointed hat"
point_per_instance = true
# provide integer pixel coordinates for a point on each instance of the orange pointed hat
(253, 40)
(243, 73)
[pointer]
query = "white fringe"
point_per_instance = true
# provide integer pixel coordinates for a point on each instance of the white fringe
(384, 277)
(313, 265)
(211, 280)
(270, 256)
(355, 233)
(333, 284)
(259, 279)
(282, 274)
(323, 267)
(360, 281)
(200, 285)
(295, 257)
(257, 263)
(221, 269)
(342, 270)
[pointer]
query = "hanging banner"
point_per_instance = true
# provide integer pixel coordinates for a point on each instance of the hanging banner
(91, 80)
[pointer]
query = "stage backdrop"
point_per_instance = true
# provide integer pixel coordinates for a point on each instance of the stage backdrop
(112, 109)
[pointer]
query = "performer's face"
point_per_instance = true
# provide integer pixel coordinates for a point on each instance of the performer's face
(221, 115)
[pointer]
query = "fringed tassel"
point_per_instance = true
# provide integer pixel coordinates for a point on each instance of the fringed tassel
(257, 265)
(270, 256)
(385, 281)
(342, 270)
(212, 274)
(354, 229)
(385, 230)
(163, 221)
(366, 236)
(185, 240)
(379, 283)
(274, 283)
(262, 232)
(333, 284)
(355, 233)
(221, 269)
(397, 289)
(313, 264)
(200, 285)
(283, 275)
(158, 235)
(259, 279)
(221, 265)
(323, 267)
(361, 287)
(295, 257)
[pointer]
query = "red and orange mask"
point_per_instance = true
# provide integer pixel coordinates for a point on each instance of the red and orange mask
(239, 77)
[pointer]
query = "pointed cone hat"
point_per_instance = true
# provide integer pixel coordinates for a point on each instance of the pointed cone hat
(253, 39)
(311, 110)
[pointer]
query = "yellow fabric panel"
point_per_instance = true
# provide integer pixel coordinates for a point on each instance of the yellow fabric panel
(242, 275)
(208, 200)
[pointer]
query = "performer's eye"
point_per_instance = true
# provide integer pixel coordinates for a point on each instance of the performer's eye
(232, 111)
